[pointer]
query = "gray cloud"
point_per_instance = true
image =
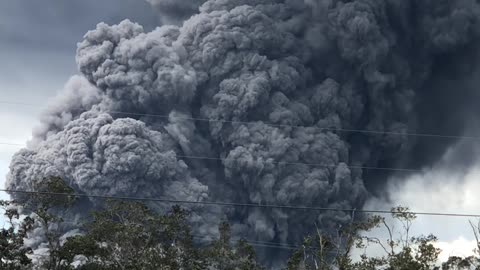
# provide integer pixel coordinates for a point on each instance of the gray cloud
(79, 96)
(364, 65)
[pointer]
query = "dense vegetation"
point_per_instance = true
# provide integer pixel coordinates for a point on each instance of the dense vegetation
(129, 236)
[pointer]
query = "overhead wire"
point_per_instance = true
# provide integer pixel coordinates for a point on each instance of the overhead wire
(274, 162)
(286, 162)
(12, 144)
(256, 243)
(278, 125)
(376, 132)
(289, 207)
(312, 164)
(237, 204)
(210, 237)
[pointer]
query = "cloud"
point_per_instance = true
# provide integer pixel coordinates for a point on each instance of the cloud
(461, 247)
(273, 78)
(16, 130)
(448, 186)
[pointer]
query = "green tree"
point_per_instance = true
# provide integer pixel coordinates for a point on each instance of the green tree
(325, 252)
(13, 253)
(222, 255)
(470, 262)
(47, 206)
(404, 253)
(122, 235)
(459, 263)
(128, 235)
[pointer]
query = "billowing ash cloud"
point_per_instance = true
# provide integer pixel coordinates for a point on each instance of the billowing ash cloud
(275, 78)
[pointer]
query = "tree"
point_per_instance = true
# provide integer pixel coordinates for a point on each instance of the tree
(129, 236)
(47, 207)
(459, 263)
(13, 253)
(222, 256)
(325, 252)
(470, 262)
(126, 235)
(406, 252)
(121, 235)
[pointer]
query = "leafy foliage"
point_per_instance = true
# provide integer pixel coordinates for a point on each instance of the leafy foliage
(405, 253)
(222, 256)
(130, 236)
(13, 253)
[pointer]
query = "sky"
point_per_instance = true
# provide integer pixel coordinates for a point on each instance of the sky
(421, 192)
(37, 48)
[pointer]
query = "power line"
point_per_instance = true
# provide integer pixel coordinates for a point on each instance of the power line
(265, 244)
(268, 244)
(287, 163)
(237, 239)
(12, 144)
(233, 204)
(212, 237)
(314, 164)
(254, 242)
(249, 243)
(376, 132)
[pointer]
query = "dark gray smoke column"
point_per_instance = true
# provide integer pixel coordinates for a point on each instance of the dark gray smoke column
(289, 68)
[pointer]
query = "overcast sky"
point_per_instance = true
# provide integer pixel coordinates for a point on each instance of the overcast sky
(37, 48)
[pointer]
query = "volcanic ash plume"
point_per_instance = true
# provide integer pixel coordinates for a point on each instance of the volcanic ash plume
(274, 79)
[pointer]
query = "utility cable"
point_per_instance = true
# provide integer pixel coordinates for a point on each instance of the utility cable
(287, 163)
(12, 144)
(234, 204)
(374, 132)
(312, 164)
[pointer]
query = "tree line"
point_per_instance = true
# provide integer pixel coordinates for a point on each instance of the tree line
(130, 236)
